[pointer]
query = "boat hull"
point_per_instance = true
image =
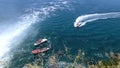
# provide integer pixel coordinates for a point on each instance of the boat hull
(40, 50)
(40, 42)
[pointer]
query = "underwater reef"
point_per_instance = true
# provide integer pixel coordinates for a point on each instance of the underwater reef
(64, 59)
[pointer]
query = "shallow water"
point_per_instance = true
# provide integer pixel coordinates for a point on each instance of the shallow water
(24, 22)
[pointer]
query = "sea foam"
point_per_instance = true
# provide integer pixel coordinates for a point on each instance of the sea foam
(14, 33)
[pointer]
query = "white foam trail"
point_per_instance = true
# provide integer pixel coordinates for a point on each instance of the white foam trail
(82, 20)
(8, 37)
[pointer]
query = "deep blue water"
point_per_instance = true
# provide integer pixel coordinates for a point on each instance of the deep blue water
(94, 38)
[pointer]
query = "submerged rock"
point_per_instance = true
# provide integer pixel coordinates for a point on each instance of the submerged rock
(32, 66)
(116, 55)
(52, 62)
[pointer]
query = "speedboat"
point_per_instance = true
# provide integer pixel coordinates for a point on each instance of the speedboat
(40, 50)
(40, 41)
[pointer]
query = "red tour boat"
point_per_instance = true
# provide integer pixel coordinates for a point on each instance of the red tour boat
(40, 50)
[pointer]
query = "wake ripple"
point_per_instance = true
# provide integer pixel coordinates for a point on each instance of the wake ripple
(82, 20)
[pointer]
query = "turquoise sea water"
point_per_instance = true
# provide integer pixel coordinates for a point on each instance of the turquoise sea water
(55, 21)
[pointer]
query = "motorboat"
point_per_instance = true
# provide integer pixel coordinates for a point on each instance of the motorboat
(40, 50)
(40, 41)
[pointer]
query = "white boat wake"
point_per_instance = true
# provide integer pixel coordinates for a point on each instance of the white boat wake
(82, 20)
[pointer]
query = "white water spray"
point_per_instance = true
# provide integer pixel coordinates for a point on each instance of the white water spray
(8, 36)
(82, 20)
